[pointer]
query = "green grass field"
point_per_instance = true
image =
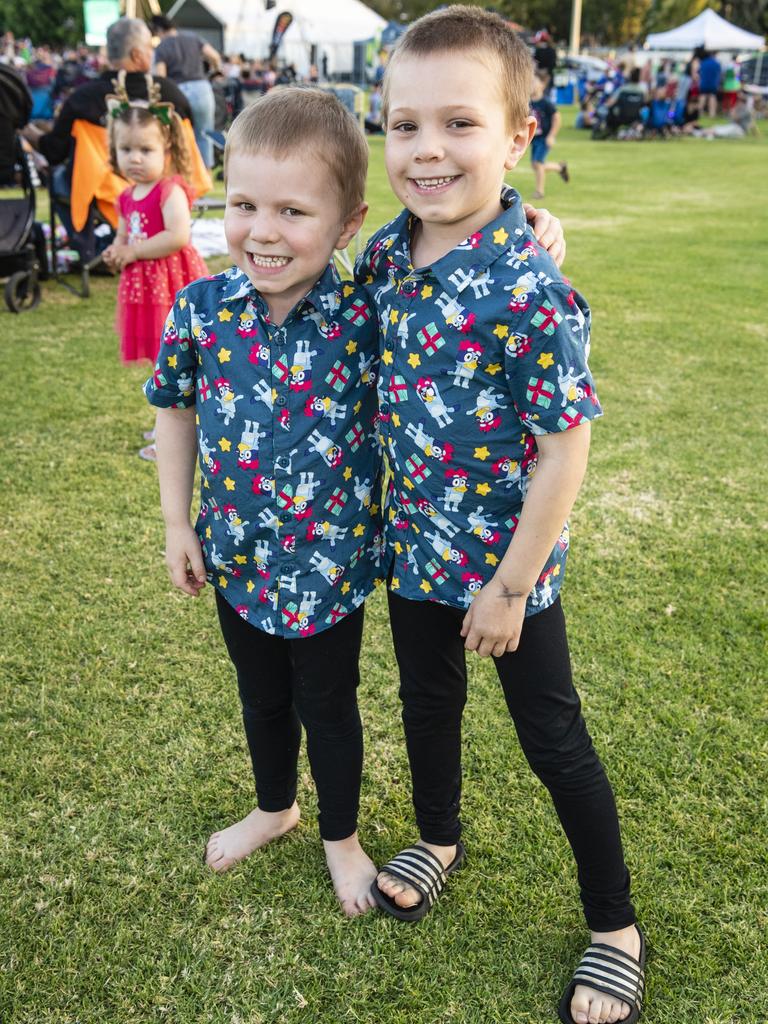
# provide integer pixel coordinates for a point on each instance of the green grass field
(121, 739)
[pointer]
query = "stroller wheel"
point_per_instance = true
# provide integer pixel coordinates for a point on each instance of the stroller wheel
(22, 292)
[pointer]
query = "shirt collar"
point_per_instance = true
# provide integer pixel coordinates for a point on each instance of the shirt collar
(476, 253)
(324, 296)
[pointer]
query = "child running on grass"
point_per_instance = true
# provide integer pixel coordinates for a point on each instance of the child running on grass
(484, 380)
(547, 126)
(152, 249)
(277, 362)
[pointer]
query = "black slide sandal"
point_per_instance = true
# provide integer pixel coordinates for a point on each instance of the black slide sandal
(614, 973)
(420, 868)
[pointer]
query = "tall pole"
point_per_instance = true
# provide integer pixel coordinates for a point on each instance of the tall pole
(575, 28)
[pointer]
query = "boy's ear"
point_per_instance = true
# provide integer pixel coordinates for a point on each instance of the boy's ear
(352, 225)
(519, 142)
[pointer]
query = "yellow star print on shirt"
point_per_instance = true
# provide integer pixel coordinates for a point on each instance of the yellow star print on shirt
(501, 330)
(500, 236)
(347, 290)
(224, 355)
(426, 586)
(172, 360)
(229, 483)
(359, 530)
(225, 315)
(347, 473)
(414, 360)
(482, 453)
(483, 489)
(545, 360)
(351, 347)
(225, 444)
(426, 291)
(387, 357)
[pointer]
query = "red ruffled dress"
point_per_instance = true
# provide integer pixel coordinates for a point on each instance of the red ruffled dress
(148, 287)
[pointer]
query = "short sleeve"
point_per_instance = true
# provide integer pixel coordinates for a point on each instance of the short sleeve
(545, 357)
(172, 384)
(166, 187)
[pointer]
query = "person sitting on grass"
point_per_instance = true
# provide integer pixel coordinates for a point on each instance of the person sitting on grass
(547, 126)
(266, 376)
(486, 400)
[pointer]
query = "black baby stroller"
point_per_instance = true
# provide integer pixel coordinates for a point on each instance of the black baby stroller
(22, 244)
(625, 112)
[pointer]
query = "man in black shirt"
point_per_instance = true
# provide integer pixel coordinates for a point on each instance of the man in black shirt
(545, 56)
(129, 47)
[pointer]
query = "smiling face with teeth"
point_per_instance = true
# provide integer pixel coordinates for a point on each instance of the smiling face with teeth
(282, 221)
(448, 146)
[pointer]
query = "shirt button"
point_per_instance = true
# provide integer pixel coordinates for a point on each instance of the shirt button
(281, 400)
(280, 337)
(281, 462)
(389, 344)
(385, 408)
(289, 569)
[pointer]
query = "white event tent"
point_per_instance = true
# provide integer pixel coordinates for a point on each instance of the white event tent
(319, 27)
(709, 30)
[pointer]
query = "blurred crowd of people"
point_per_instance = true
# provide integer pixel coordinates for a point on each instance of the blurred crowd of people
(640, 99)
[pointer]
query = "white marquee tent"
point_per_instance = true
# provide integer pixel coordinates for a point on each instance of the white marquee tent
(319, 27)
(709, 30)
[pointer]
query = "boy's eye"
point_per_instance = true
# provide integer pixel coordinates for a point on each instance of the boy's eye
(461, 122)
(246, 207)
(292, 211)
(404, 126)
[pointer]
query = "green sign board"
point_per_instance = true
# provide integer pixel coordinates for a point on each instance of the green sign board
(99, 15)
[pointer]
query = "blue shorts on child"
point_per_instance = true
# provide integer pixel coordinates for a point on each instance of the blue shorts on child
(539, 149)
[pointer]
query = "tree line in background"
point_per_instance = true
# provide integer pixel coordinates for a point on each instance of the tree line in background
(608, 22)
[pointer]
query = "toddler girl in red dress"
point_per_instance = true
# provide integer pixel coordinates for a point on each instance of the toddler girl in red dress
(152, 249)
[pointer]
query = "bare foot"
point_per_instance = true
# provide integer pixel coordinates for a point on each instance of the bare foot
(403, 894)
(226, 848)
(591, 1007)
(352, 872)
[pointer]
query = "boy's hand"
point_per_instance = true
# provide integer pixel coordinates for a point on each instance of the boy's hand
(551, 140)
(548, 231)
(494, 621)
(184, 559)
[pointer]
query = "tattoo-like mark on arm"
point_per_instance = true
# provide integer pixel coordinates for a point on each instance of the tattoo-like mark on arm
(510, 595)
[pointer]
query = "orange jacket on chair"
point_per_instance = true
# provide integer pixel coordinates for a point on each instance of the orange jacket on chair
(93, 178)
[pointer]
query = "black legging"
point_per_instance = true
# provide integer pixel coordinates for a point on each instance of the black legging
(546, 711)
(310, 681)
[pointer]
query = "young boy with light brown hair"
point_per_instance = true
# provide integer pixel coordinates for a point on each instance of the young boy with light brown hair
(485, 401)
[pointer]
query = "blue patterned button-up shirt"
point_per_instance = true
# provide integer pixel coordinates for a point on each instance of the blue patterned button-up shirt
(286, 425)
(482, 351)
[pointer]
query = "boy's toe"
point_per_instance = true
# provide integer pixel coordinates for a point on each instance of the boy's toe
(580, 1006)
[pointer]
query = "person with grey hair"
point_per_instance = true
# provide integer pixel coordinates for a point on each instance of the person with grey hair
(129, 48)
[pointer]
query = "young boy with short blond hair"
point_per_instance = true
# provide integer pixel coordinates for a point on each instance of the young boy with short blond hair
(485, 399)
(266, 374)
